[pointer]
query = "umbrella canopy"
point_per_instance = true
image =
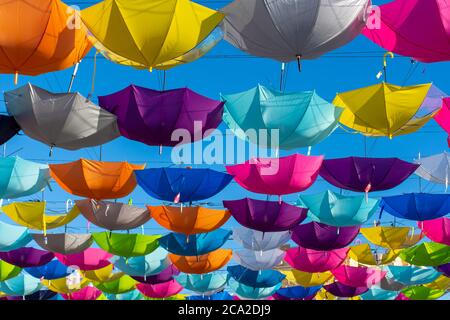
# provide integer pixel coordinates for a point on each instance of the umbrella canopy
(51, 42)
(412, 275)
(152, 116)
(37, 296)
(392, 237)
(89, 259)
(13, 237)
(265, 216)
(204, 283)
(443, 282)
(189, 220)
(322, 237)
(443, 117)
(113, 215)
(306, 279)
(143, 266)
(87, 293)
(298, 292)
(21, 285)
(165, 275)
(445, 269)
(63, 120)
(64, 243)
(96, 179)
(303, 119)
(427, 254)
(248, 292)
(262, 260)
(202, 264)
(50, 271)
(8, 128)
(160, 290)
(21, 178)
(8, 271)
(27, 257)
(313, 261)
(379, 294)
(366, 174)
(423, 293)
(260, 241)
(435, 168)
(104, 274)
(126, 245)
(194, 245)
(279, 176)
(182, 184)
(363, 254)
(216, 296)
(255, 279)
(417, 206)
(286, 30)
(120, 285)
(122, 33)
(337, 210)
(343, 291)
(127, 296)
(358, 276)
(66, 285)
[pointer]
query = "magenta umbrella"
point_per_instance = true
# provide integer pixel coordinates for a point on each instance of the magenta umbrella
(152, 116)
(160, 290)
(437, 230)
(443, 117)
(89, 259)
(358, 276)
(87, 293)
(319, 236)
(266, 216)
(343, 291)
(27, 257)
(313, 261)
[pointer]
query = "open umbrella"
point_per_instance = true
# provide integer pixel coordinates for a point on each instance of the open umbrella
(203, 283)
(262, 260)
(364, 254)
(213, 297)
(314, 261)
(27, 257)
(143, 266)
(412, 275)
(13, 237)
(358, 276)
(87, 293)
(39, 295)
(435, 168)
(379, 294)
(423, 293)
(64, 243)
(66, 285)
(443, 282)
(445, 269)
(89, 259)
(248, 292)
(306, 279)
(8, 271)
(126, 245)
(160, 290)
(103, 274)
(392, 237)
(120, 285)
(298, 292)
(127, 296)
(202, 264)
(50, 271)
(8, 128)
(260, 241)
(21, 285)
(443, 117)
(163, 276)
(255, 279)
(427, 254)
(343, 291)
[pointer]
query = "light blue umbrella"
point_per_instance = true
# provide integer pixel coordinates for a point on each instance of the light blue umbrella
(216, 296)
(22, 285)
(13, 237)
(203, 283)
(248, 292)
(260, 241)
(131, 295)
(412, 275)
(375, 293)
(142, 266)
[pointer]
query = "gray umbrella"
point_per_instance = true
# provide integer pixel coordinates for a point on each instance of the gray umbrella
(65, 120)
(288, 29)
(64, 243)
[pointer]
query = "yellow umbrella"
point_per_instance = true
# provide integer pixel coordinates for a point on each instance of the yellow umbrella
(441, 283)
(324, 295)
(306, 279)
(64, 285)
(392, 237)
(149, 33)
(363, 254)
(103, 275)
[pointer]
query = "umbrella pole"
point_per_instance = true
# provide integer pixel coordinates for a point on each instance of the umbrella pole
(72, 79)
(282, 76)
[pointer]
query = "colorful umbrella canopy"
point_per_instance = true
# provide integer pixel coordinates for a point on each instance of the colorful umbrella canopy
(279, 176)
(194, 245)
(390, 284)
(203, 283)
(113, 215)
(363, 254)
(313, 261)
(64, 243)
(427, 254)
(27, 257)
(21, 285)
(202, 264)
(103, 274)
(343, 291)
(96, 179)
(306, 279)
(182, 184)
(160, 290)
(322, 237)
(392, 237)
(165, 275)
(117, 286)
(248, 292)
(189, 220)
(443, 117)
(121, 30)
(21, 178)
(13, 237)
(262, 260)
(417, 206)
(66, 285)
(366, 174)
(445, 269)
(126, 245)
(143, 266)
(50, 271)
(423, 293)
(434, 168)
(443, 282)
(50, 43)
(298, 292)
(37, 296)
(255, 279)
(216, 296)
(293, 29)
(338, 210)
(260, 241)
(63, 120)
(131, 295)
(437, 230)
(152, 116)
(87, 293)
(303, 119)
(412, 275)
(358, 276)
(8, 128)
(89, 259)
(8, 271)
(379, 294)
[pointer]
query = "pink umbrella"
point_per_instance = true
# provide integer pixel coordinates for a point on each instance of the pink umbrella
(89, 259)
(87, 293)
(443, 117)
(278, 176)
(437, 230)
(312, 261)
(358, 276)
(401, 296)
(160, 290)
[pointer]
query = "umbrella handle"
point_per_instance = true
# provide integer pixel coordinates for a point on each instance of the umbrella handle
(386, 55)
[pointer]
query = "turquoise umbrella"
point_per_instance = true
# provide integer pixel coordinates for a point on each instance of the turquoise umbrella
(412, 275)
(142, 266)
(248, 292)
(131, 295)
(13, 237)
(303, 119)
(22, 285)
(208, 283)
(375, 293)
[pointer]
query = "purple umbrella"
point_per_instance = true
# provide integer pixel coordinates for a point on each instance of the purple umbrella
(445, 269)
(366, 174)
(164, 276)
(151, 116)
(279, 297)
(266, 216)
(341, 290)
(27, 257)
(321, 237)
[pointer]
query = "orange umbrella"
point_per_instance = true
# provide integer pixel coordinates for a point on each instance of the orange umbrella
(96, 179)
(40, 36)
(189, 220)
(202, 264)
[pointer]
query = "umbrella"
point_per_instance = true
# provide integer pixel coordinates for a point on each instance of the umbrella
(203, 283)
(63, 120)
(423, 293)
(343, 291)
(189, 220)
(182, 184)
(165, 275)
(194, 245)
(358, 276)
(122, 33)
(391, 237)
(293, 29)
(8, 128)
(160, 290)
(117, 286)
(13, 237)
(402, 297)
(445, 269)
(87, 293)
(443, 283)
(126, 245)
(379, 294)
(130, 295)
(113, 215)
(8, 271)
(248, 292)
(363, 254)
(427, 254)
(21, 178)
(366, 174)
(303, 119)
(66, 285)
(265, 216)
(443, 117)
(255, 279)
(96, 179)
(37, 296)
(51, 43)
(435, 168)
(262, 260)
(306, 279)
(50, 271)
(412, 275)
(21, 285)
(216, 296)
(313, 261)
(143, 266)
(279, 176)
(417, 206)
(202, 264)
(153, 117)
(27, 257)
(390, 284)
(64, 243)
(298, 292)
(103, 274)
(89, 259)
(260, 241)
(322, 237)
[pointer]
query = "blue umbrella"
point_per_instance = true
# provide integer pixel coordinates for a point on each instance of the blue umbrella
(298, 292)
(50, 271)
(249, 292)
(375, 293)
(255, 279)
(411, 275)
(22, 285)
(203, 283)
(216, 296)
(13, 237)
(142, 266)
(131, 295)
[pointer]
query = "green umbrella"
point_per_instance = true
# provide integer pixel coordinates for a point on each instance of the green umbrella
(430, 254)
(118, 286)
(126, 245)
(423, 293)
